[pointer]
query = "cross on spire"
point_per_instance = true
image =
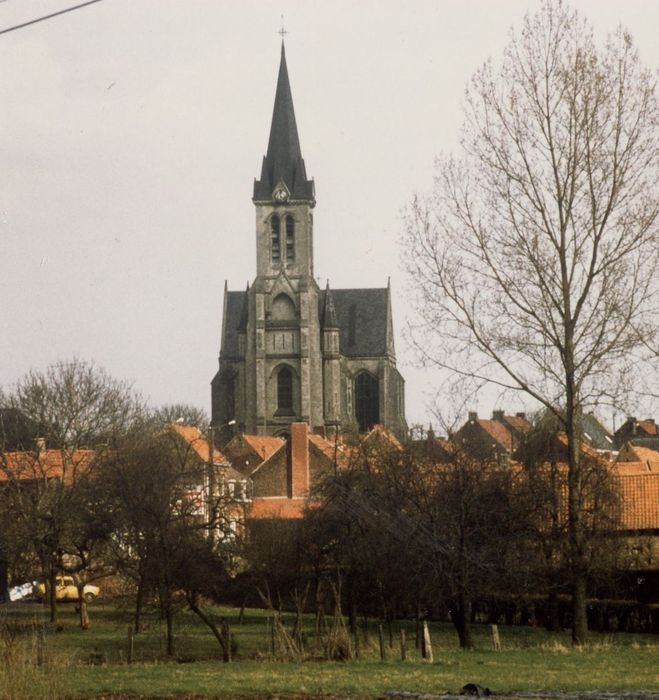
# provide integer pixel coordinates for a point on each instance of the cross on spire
(282, 32)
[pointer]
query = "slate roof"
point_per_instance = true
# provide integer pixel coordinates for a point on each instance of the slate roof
(596, 434)
(233, 313)
(361, 315)
(362, 318)
(283, 160)
(651, 443)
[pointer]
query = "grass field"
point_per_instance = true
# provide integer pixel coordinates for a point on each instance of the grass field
(79, 664)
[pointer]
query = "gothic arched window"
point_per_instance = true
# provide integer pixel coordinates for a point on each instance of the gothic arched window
(275, 239)
(367, 401)
(285, 390)
(290, 239)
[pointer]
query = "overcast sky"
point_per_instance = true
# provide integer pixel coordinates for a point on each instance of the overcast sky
(131, 132)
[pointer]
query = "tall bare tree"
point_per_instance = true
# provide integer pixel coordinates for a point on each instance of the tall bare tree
(534, 259)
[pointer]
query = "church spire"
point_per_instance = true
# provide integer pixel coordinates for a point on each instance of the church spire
(283, 166)
(329, 312)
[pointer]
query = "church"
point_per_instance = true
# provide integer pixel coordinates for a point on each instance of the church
(290, 351)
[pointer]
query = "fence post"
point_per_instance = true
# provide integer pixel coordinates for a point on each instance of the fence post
(383, 654)
(427, 643)
(403, 650)
(496, 641)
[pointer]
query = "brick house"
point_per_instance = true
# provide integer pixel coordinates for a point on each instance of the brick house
(633, 429)
(495, 438)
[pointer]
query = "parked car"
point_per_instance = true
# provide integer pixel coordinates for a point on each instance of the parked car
(66, 589)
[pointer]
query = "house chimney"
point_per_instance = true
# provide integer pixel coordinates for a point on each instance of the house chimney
(497, 416)
(632, 420)
(299, 460)
(473, 415)
(521, 414)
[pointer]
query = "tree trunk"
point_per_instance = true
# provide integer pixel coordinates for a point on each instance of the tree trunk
(52, 593)
(553, 617)
(461, 618)
(166, 610)
(82, 607)
(139, 602)
(224, 644)
(579, 616)
(575, 519)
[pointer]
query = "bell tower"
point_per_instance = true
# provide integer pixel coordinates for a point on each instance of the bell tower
(283, 330)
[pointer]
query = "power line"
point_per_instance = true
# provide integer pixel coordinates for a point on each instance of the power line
(54, 14)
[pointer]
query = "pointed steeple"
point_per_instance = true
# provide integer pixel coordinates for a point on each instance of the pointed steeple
(283, 166)
(329, 312)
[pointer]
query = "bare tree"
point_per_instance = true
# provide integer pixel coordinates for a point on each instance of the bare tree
(170, 511)
(182, 413)
(534, 260)
(78, 409)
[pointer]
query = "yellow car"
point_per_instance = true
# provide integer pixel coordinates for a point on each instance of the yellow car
(66, 589)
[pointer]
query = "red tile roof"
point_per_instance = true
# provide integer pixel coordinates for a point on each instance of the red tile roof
(381, 432)
(198, 442)
(632, 453)
(264, 445)
(331, 449)
(647, 426)
(497, 431)
(639, 501)
(47, 464)
(517, 423)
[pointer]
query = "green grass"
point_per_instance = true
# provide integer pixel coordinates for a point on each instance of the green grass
(531, 660)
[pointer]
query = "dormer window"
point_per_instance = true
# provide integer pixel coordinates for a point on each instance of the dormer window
(275, 239)
(290, 239)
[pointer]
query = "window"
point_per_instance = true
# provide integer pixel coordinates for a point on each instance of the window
(367, 401)
(290, 239)
(285, 390)
(275, 239)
